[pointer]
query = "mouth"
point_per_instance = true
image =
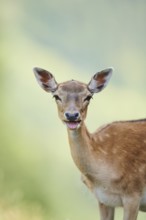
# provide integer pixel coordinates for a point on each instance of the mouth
(72, 124)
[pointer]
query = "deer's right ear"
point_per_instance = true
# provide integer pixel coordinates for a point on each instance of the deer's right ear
(45, 79)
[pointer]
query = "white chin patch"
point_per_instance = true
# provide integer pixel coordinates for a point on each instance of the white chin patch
(72, 124)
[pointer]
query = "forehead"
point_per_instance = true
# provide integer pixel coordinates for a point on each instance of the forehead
(72, 86)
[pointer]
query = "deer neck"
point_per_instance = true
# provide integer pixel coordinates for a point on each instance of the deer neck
(80, 145)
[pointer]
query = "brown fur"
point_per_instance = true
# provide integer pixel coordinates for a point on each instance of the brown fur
(112, 160)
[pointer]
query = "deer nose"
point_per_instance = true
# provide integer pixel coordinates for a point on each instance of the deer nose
(72, 116)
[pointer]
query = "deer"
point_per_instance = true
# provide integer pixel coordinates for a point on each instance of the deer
(112, 160)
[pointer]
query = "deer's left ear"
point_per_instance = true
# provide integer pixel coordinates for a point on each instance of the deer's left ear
(45, 79)
(100, 80)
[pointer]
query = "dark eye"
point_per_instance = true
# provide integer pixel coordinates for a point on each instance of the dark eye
(57, 97)
(88, 98)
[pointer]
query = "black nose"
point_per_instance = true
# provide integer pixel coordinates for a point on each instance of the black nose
(72, 116)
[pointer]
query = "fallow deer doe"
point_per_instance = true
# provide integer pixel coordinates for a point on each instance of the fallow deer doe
(112, 160)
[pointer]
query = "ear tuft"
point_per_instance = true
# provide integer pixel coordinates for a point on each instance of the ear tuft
(45, 79)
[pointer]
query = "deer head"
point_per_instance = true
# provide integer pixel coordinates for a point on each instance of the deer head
(72, 97)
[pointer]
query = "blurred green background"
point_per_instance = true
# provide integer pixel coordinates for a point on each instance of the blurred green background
(72, 39)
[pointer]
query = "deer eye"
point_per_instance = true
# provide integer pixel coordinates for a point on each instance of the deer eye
(87, 98)
(57, 98)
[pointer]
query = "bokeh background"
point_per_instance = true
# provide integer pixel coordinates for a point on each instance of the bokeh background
(72, 39)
